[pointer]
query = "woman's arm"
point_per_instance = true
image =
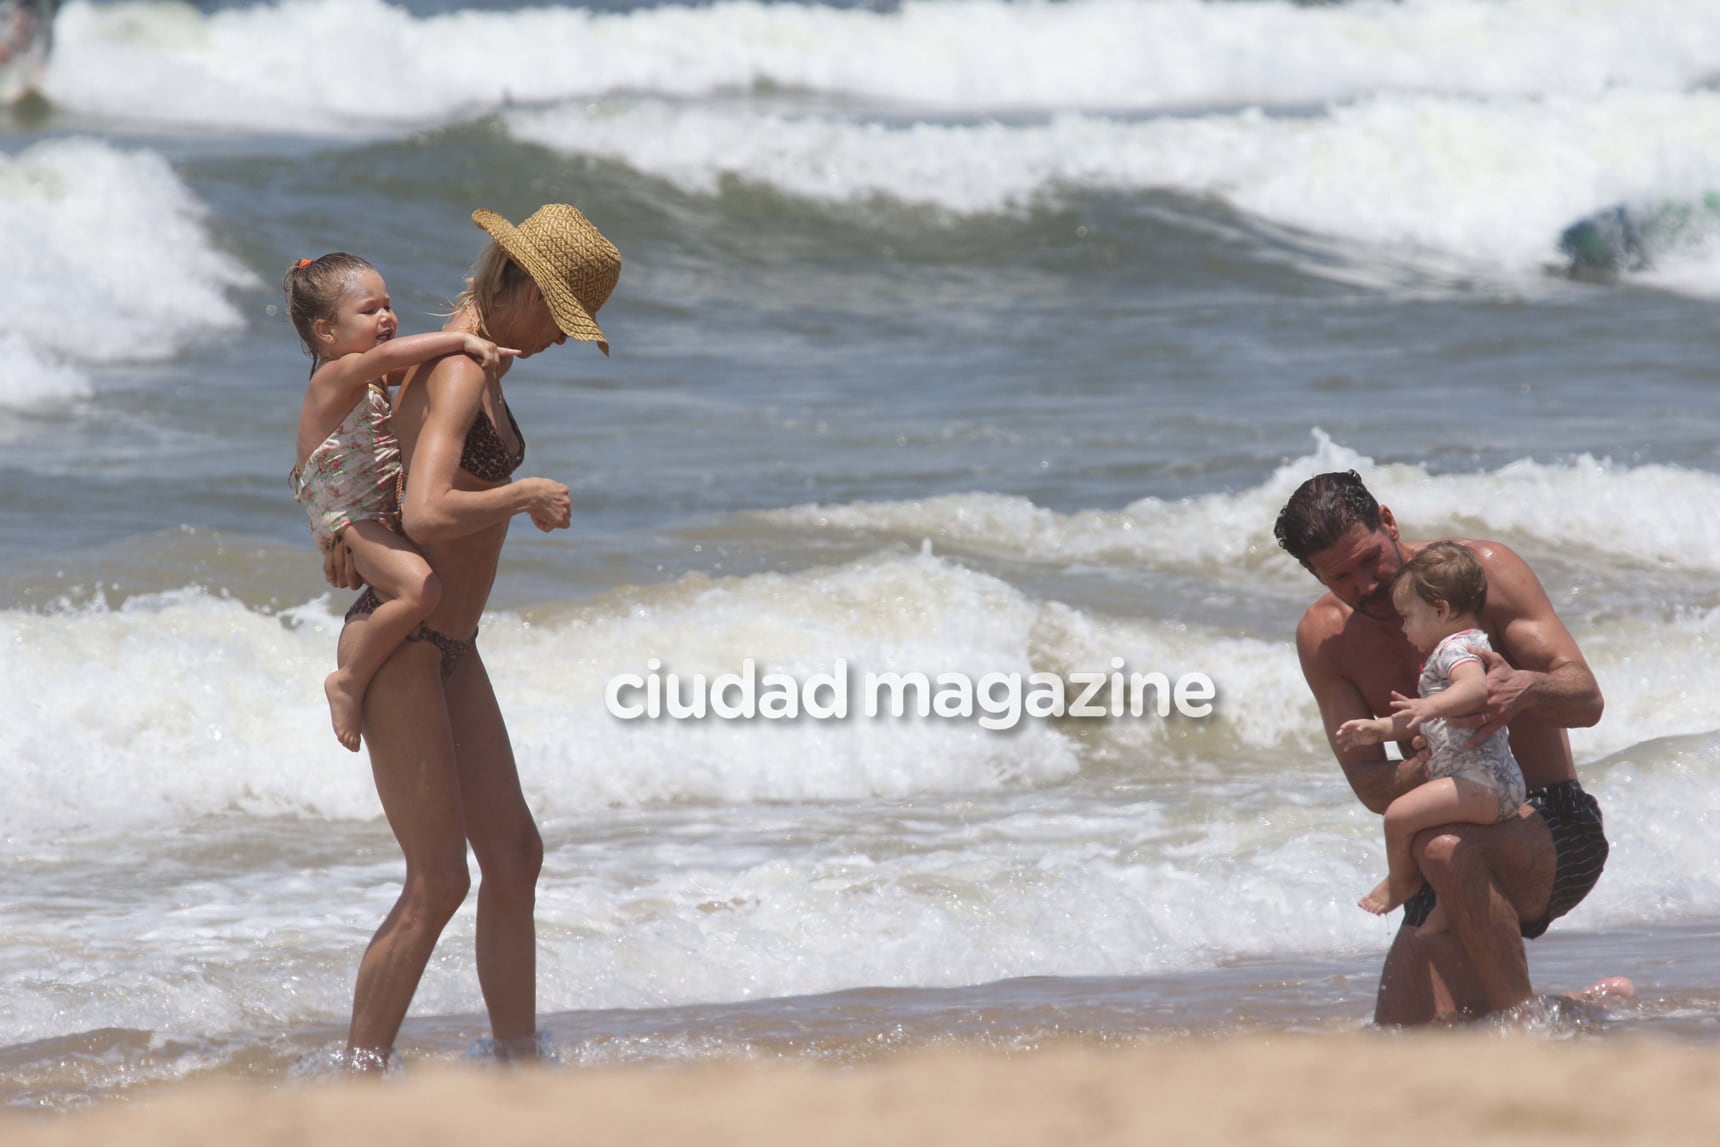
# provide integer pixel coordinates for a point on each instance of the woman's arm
(434, 510)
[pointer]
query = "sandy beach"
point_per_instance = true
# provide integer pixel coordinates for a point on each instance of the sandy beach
(1294, 1090)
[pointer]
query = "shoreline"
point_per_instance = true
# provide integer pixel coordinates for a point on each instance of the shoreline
(1257, 999)
(1299, 1089)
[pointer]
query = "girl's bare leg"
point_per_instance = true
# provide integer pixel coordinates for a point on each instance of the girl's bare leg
(510, 853)
(1445, 800)
(401, 577)
(412, 757)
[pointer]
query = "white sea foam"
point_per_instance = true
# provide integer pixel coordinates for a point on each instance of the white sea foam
(30, 377)
(1460, 137)
(709, 861)
(108, 258)
(684, 905)
(183, 704)
(1635, 515)
(1458, 185)
(180, 705)
(690, 906)
(276, 67)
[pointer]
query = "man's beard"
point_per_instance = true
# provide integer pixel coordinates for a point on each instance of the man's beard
(1378, 605)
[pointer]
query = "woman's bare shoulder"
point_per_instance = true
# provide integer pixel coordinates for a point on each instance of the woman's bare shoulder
(452, 385)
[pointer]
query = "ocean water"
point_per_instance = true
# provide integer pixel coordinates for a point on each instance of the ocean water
(963, 336)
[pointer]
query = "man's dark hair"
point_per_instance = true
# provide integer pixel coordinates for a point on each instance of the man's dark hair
(1322, 510)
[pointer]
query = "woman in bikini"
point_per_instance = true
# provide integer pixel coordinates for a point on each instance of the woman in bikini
(438, 747)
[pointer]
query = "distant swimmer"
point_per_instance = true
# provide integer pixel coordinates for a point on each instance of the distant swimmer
(26, 35)
(1633, 237)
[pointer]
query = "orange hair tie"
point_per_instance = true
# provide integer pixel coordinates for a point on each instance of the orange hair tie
(302, 264)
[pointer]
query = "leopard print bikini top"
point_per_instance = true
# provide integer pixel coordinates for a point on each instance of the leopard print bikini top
(484, 456)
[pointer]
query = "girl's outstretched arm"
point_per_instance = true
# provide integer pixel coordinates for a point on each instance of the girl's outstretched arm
(350, 373)
(1466, 693)
(1361, 731)
(336, 386)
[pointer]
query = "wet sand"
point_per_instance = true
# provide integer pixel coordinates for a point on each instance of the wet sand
(1329, 1090)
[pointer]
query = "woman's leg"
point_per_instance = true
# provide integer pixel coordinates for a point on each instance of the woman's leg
(412, 757)
(1444, 800)
(398, 573)
(510, 853)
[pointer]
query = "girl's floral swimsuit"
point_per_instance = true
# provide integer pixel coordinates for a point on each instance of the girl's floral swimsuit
(485, 457)
(353, 475)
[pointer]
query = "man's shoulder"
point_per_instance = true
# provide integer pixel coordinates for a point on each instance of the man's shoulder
(1508, 575)
(1493, 556)
(1322, 621)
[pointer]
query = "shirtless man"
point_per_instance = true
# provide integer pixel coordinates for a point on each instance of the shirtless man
(1498, 883)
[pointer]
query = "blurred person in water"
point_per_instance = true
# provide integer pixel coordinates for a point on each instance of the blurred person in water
(26, 29)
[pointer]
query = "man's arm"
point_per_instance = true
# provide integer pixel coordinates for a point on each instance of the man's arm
(1538, 668)
(1376, 781)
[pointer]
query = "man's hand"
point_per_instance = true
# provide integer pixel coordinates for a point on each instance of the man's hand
(339, 569)
(1507, 692)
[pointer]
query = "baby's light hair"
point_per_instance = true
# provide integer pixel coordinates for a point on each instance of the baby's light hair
(1448, 572)
(314, 287)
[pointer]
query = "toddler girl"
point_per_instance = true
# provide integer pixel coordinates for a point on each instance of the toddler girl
(1440, 592)
(348, 470)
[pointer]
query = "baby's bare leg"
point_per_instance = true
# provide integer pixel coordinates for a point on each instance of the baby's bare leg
(1445, 800)
(409, 591)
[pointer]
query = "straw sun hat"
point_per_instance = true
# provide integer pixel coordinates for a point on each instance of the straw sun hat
(569, 259)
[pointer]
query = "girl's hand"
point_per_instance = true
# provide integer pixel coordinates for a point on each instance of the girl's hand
(1412, 709)
(1354, 734)
(487, 353)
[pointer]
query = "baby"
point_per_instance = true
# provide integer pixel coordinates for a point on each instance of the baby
(1440, 592)
(348, 470)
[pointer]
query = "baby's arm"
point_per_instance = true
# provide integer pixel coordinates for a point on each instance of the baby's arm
(1466, 693)
(1368, 731)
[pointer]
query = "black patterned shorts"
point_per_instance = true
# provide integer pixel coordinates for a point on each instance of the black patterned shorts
(1579, 854)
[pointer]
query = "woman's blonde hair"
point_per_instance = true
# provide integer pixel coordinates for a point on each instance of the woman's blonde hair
(494, 279)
